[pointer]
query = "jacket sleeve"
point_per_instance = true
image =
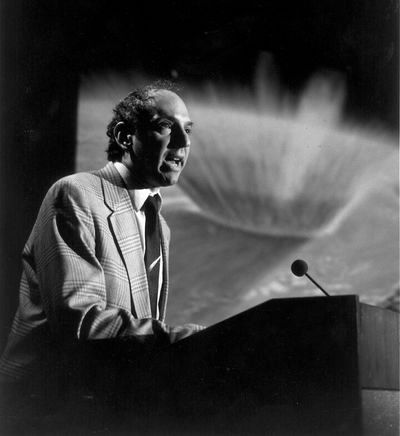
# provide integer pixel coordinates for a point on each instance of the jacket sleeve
(71, 279)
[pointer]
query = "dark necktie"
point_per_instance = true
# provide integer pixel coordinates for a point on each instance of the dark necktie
(152, 253)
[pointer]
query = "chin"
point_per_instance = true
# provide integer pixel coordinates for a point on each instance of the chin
(169, 180)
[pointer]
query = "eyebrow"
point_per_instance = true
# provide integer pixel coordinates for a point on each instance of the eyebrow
(188, 121)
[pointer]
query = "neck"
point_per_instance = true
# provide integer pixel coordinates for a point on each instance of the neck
(135, 178)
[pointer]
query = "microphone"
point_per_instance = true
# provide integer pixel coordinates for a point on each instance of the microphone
(299, 268)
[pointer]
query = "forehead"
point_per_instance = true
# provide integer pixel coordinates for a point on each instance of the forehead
(167, 103)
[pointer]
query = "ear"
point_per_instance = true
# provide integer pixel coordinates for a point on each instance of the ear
(122, 136)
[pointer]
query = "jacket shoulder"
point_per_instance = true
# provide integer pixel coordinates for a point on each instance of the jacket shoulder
(77, 185)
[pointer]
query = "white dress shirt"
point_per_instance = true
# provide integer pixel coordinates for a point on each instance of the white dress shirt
(138, 197)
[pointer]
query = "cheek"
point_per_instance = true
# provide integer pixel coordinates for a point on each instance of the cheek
(154, 155)
(158, 148)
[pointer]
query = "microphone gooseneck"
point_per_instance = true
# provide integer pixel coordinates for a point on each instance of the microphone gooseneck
(299, 268)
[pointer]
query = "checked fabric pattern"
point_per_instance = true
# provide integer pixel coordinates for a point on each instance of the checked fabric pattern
(84, 275)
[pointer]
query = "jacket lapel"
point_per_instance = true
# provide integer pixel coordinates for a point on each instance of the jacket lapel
(165, 237)
(127, 237)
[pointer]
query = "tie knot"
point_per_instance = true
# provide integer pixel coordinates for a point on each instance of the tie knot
(152, 203)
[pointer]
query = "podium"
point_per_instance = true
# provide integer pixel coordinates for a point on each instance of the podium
(296, 366)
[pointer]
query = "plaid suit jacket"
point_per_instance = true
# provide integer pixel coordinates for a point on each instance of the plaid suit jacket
(83, 272)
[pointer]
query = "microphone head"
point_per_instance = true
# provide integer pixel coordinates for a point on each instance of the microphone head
(299, 267)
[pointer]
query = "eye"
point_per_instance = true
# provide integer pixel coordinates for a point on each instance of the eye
(189, 130)
(164, 127)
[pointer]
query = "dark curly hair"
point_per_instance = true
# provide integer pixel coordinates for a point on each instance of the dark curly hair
(132, 110)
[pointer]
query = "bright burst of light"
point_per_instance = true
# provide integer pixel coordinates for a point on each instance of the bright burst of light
(281, 167)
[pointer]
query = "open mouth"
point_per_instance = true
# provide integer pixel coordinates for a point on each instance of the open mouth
(174, 162)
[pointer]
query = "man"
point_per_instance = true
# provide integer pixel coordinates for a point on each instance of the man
(96, 263)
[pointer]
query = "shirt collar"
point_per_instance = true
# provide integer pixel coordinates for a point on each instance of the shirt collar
(138, 196)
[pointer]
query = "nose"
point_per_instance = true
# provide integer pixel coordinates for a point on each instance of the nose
(179, 137)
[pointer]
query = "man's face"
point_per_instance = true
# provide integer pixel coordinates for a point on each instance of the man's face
(161, 144)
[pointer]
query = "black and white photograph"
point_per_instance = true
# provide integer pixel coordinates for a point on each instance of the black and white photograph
(199, 218)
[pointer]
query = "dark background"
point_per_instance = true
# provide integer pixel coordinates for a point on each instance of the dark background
(47, 45)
